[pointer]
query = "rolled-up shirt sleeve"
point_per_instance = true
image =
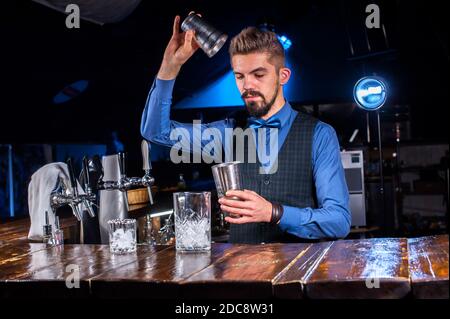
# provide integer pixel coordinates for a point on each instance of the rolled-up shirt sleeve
(332, 218)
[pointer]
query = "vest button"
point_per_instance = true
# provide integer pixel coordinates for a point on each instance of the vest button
(266, 182)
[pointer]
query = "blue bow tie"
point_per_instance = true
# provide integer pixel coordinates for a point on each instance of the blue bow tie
(271, 123)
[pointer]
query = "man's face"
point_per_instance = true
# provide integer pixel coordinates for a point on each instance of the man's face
(257, 80)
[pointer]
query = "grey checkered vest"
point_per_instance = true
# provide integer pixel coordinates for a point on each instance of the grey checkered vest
(292, 184)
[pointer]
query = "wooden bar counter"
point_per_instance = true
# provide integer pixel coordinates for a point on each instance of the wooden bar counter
(428, 266)
(367, 268)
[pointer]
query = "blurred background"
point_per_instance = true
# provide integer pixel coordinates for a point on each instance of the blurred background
(75, 92)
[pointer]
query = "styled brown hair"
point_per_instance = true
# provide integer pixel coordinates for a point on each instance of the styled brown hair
(254, 40)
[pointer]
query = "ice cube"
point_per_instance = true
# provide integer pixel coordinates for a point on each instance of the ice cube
(118, 234)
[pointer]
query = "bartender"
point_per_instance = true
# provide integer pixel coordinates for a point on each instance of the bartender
(306, 197)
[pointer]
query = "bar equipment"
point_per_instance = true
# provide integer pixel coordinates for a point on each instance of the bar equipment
(69, 195)
(192, 213)
(122, 236)
(108, 188)
(227, 176)
(208, 37)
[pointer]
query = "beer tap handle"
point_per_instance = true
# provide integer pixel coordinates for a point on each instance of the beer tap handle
(87, 187)
(147, 166)
(146, 162)
(73, 181)
(87, 184)
(122, 166)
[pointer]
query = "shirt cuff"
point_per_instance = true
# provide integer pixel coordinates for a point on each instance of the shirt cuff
(292, 217)
(164, 88)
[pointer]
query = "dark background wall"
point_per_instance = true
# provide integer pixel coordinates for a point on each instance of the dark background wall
(40, 56)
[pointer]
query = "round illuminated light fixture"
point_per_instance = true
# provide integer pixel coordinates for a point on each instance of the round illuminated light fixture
(370, 93)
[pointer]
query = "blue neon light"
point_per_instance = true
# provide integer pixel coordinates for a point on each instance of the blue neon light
(285, 42)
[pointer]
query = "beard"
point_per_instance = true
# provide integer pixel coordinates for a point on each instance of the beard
(259, 108)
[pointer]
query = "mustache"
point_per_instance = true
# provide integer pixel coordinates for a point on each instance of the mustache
(251, 93)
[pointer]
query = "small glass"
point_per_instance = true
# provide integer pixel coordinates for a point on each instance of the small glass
(122, 236)
(58, 236)
(192, 221)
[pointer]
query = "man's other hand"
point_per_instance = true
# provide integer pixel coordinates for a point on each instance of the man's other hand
(251, 207)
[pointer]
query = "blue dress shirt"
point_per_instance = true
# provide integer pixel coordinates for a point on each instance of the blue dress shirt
(331, 219)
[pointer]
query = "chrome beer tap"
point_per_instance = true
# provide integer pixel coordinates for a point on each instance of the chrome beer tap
(74, 190)
(125, 183)
(68, 195)
(90, 196)
(147, 179)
